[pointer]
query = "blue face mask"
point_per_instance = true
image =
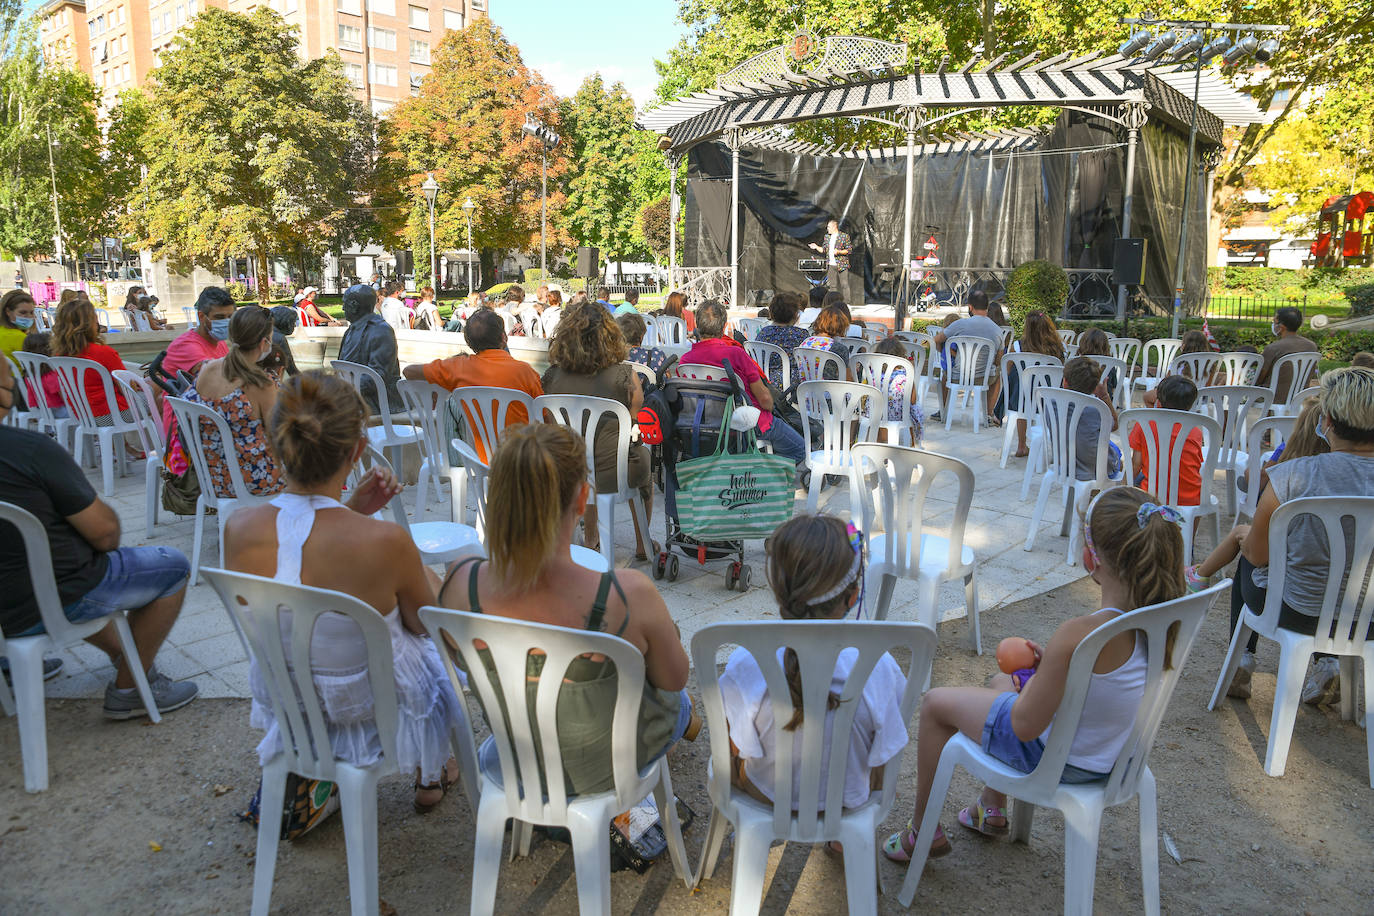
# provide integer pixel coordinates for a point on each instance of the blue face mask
(219, 328)
(23, 321)
(1320, 430)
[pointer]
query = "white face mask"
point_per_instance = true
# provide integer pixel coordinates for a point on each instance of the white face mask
(1276, 328)
(266, 353)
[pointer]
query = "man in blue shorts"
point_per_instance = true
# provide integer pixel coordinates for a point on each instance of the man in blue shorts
(95, 576)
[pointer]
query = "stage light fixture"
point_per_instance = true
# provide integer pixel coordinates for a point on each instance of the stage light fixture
(1161, 45)
(1188, 46)
(1219, 45)
(1240, 50)
(1133, 45)
(1266, 50)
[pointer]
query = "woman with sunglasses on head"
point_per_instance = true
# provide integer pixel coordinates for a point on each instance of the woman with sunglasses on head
(816, 570)
(1133, 549)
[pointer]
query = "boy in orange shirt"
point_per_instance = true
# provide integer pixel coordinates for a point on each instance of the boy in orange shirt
(1175, 392)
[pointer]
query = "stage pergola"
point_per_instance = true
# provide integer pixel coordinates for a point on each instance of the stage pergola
(856, 77)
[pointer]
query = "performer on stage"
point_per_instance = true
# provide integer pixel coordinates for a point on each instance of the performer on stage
(836, 250)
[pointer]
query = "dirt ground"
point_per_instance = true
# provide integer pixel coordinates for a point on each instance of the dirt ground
(1303, 843)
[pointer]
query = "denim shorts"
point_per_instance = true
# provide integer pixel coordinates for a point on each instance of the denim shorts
(1001, 743)
(136, 576)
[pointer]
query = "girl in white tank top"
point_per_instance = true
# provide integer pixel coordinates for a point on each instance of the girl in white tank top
(1134, 550)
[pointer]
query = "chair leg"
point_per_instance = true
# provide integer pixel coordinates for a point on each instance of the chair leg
(199, 538)
(358, 806)
(1065, 523)
(269, 832)
(666, 801)
(1231, 662)
(26, 671)
(486, 859)
(1081, 828)
(925, 834)
(1287, 694)
(422, 488)
(885, 590)
(151, 486)
(1041, 500)
(813, 491)
(1032, 463)
(591, 844)
(1073, 529)
(1367, 675)
(1022, 817)
(1008, 433)
(107, 462)
(126, 642)
(458, 495)
(860, 867)
(605, 525)
(975, 631)
(1348, 687)
(717, 826)
(752, 840)
(1149, 842)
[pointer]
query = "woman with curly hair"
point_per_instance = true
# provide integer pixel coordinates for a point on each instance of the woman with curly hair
(587, 356)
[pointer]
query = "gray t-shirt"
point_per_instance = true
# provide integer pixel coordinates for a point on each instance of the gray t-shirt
(978, 326)
(1309, 552)
(1085, 451)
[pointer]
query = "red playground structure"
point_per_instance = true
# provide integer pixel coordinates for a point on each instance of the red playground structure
(1345, 231)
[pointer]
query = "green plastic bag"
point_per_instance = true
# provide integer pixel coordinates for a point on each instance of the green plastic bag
(728, 496)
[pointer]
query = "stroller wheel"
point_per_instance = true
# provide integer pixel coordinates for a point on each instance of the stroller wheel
(732, 575)
(672, 568)
(659, 565)
(744, 579)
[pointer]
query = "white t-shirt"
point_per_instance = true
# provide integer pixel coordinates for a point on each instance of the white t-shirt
(878, 734)
(830, 248)
(395, 313)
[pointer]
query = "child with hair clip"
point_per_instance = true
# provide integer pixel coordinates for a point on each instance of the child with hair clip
(1133, 549)
(816, 570)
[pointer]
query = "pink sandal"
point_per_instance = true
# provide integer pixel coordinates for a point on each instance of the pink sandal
(899, 846)
(975, 818)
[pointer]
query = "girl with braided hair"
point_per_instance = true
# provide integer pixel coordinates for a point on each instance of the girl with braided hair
(816, 570)
(1133, 549)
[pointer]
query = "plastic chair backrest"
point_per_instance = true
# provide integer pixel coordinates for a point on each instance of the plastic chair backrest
(643, 372)
(1123, 381)
(423, 402)
(818, 645)
(71, 376)
(973, 366)
(856, 344)
(38, 560)
(354, 373)
(874, 334)
(42, 319)
(1067, 336)
(881, 371)
(1348, 601)
(276, 621)
(750, 327)
(115, 319)
(905, 477)
(838, 405)
(766, 354)
(1024, 361)
(1240, 368)
(1295, 370)
(1162, 460)
(1158, 354)
(486, 412)
(140, 395)
(138, 320)
(812, 361)
(191, 317)
(701, 372)
(1298, 399)
(671, 330)
(1153, 622)
(1195, 366)
(1230, 406)
(1008, 335)
(1278, 429)
(583, 414)
(525, 767)
(32, 364)
(190, 416)
(1060, 411)
(548, 320)
(1032, 379)
(1125, 348)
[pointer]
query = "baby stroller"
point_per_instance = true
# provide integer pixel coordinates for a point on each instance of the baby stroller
(698, 407)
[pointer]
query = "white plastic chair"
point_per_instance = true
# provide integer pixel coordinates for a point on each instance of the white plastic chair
(766, 354)
(1197, 367)
(642, 372)
(583, 414)
(1126, 349)
(811, 363)
(389, 435)
(142, 399)
(1066, 335)
(25, 653)
(424, 402)
(840, 407)
(1297, 369)
(190, 417)
(115, 320)
(671, 330)
(190, 316)
(275, 622)
(437, 542)
(882, 372)
(1047, 376)
(750, 327)
(20, 418)
(820, 815)
(61, 428)
(1122, 396)
(1240, 368)
(525, 782)
(548, 321)
(42, 319)
(856, 344)
(1343, 620)
(1155, 358)
(970, 374)
(71, 375)
(486, 413)
(905, 549)
(1250, 463)
(1231, 406)
(1008, 338)
(1059, 411)
(1024, 407)
(138, 320)
(1083, 805)
(1162, 460)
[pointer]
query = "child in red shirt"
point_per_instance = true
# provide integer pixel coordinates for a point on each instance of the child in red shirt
(1175, 392)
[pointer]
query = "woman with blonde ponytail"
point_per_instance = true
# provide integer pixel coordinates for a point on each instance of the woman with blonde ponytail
(241, 386)
(816, 570)
(538, 493)
(1133, 549)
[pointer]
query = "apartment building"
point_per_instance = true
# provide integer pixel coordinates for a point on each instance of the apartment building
(63, 35)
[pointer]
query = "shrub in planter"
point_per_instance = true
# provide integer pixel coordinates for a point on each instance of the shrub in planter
(1035, 285)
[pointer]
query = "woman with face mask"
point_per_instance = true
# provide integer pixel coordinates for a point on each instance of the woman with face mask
(242, 387)
(16, 319)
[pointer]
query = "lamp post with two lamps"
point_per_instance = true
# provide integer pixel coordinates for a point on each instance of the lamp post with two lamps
(548, 139)
(468, 207)
(431, 191)
(1195, 44)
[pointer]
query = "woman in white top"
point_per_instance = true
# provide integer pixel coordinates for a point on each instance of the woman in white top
(319, 431)
(815, 567)
(1134, 550)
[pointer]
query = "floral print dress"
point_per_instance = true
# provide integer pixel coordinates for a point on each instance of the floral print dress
(261, 472)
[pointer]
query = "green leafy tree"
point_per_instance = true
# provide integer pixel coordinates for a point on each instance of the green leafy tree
(248, 148)
(464, 126)
(124, 160)
(45, 112)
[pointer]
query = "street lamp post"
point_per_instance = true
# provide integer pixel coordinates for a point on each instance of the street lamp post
(468, 207)
(548, 139)
(431, 189)
(56, 214)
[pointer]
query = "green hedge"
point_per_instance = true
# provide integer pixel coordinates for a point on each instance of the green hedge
(1035, 286)
(1337, 345)
(1361, 300)
(1277, 282)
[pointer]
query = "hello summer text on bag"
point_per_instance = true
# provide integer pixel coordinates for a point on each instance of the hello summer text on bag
(745, 495)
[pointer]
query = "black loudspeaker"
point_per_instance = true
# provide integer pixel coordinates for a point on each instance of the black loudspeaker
(587, 259)
(1128, 262)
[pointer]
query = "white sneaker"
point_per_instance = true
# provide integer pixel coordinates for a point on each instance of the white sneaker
(1323, 686)
(1240, 684)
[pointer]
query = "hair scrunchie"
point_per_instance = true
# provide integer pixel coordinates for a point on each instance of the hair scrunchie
(1168, 513)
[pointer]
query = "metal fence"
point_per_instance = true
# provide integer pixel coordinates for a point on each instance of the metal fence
(1251, 309)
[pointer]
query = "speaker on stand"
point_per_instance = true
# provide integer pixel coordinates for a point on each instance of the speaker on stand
(1128, 267)
(588, 267)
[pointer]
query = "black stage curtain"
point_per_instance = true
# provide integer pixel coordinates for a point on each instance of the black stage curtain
(1059, 200)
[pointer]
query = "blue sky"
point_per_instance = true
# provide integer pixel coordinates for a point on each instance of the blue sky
(566, 41)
